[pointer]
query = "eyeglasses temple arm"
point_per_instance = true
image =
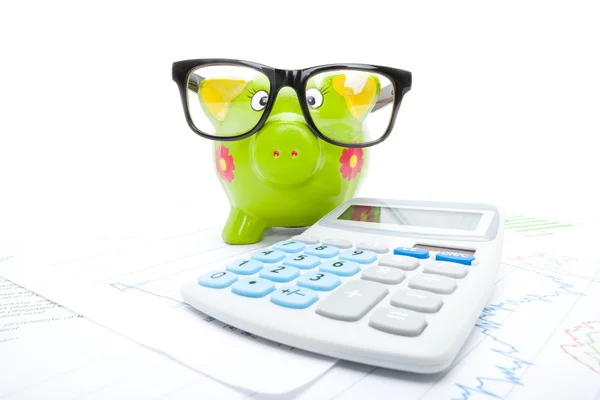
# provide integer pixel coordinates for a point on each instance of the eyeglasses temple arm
(194, 81)
(386, 96)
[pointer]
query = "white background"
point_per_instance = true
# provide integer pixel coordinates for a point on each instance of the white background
(504, 107)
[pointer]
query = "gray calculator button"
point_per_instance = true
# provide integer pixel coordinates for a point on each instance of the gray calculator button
(450, 269)
(398, 321)
(418, 301)
(381, 274)
(376, 248)
(352, 301)
(403, 262)
(339, 243)
(305, 239)
(433, 283)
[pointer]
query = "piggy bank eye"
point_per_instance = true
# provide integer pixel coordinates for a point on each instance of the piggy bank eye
(314, 98)
(259, 100)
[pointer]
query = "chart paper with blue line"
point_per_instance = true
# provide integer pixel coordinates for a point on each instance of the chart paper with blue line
(538, 337)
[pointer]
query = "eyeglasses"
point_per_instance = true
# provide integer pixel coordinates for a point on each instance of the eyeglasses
(350, 105)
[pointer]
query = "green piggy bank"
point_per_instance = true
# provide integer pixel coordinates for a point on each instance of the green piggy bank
(284, 175)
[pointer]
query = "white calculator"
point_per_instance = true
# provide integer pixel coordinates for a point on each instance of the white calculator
(390, 283)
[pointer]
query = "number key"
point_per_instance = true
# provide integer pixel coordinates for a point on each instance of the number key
(279, 273)
(302, 261)
(217, 279)
(289, 246)
(359, 256)
(341, 267)
(319, 281)
(268, 256)
(244, 266)
(322, 251)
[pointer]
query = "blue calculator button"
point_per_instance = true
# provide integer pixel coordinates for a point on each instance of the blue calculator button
(279, 273)
(322, 251)
(253, 287)
(341, 267)
(217, 279)
(411, 252)
(451, 256)
(302, 261)
(319, 281)
(359, 256)
(289, 246)
(268, 255)
(244, 266)
(294, 297)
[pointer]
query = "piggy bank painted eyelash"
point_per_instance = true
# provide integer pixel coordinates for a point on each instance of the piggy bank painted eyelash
(259, 100)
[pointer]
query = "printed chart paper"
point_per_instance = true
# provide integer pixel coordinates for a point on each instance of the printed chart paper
(48, 352)
(135, 292)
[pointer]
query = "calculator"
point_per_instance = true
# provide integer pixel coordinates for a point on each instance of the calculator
(391, 283)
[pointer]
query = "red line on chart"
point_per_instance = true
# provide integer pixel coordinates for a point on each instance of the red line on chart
(586, 344)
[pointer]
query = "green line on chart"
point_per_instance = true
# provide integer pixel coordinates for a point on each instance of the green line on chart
(531, 224)
(547, 227)
(521, 219)
(541, 226)
(520, 223)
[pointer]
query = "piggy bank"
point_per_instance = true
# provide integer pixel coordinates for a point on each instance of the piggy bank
(282, 173)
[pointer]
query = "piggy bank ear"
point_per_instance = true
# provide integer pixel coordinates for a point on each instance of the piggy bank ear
(360, 92)
(216, 95)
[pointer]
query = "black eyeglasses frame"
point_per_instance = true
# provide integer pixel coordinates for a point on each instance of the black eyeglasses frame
(297, 80)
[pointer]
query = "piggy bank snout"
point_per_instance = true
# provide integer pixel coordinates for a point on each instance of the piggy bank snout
(286, 153)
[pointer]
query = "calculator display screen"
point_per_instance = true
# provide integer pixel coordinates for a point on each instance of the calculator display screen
(467, 221)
